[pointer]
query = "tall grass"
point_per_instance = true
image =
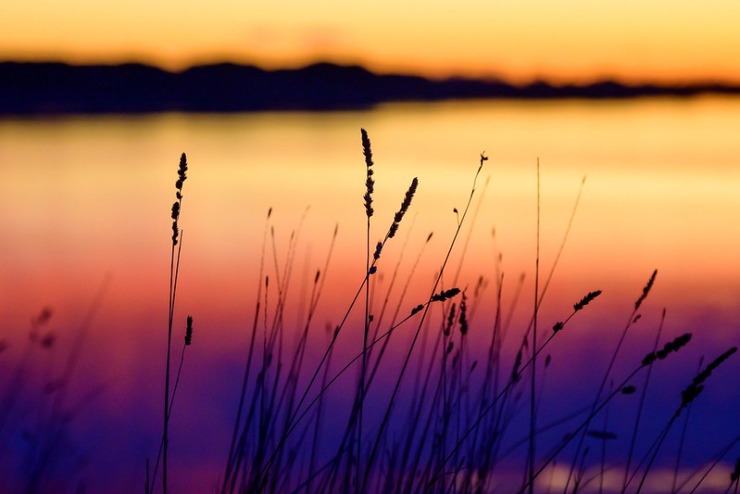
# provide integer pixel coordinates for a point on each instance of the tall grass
(433, 412)
(40, 405)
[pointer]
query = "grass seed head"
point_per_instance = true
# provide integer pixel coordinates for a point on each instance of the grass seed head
(735, 475)
(450, 320)
(48, 340)
(463, 319)
(517, 363)
(176, 206)
(646, 290)
(404, 207)
(189, 331)
(590, 296)
(378, 249)
(603, 435)
(176, 210)
(369, 181)
(697, 384)
(445, 295)
(182, 172)
(672, 346)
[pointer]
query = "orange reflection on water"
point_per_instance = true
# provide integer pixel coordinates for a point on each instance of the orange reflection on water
(86, 198)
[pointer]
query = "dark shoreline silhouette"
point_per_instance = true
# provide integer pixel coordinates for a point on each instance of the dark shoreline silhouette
(47, 88)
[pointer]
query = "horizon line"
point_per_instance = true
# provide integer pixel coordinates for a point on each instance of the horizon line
(533, 81)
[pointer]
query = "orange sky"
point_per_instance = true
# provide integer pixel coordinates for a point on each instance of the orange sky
(663, 40)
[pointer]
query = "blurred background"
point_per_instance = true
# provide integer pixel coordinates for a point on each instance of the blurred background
(85, 201)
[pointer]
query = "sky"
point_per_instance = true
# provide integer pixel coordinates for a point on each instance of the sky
(670, 41)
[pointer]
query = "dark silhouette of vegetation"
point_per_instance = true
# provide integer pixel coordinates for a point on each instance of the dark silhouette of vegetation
(42, 88)
(443, 429)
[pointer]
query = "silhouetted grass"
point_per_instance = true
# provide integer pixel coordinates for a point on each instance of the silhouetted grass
(39, 405)
(465, 397)
(457, 412)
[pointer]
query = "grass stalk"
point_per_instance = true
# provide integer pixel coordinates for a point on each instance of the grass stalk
(533, 372)
(175, 253)
(369, 187)
(454, 429)
(682, 440)
(229, 479)
(640, 407)
(406, 360)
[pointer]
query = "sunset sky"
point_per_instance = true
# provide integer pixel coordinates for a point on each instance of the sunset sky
(85, 211)
(630, 40)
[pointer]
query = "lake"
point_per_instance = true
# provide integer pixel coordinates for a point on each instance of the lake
(85, 215)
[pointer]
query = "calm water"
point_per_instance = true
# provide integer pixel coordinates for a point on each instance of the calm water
(84, 212)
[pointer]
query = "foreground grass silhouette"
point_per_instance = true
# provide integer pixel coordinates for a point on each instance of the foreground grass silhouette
(446, 419)
(453, 418)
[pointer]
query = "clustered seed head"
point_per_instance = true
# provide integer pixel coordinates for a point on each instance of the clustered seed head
(586, 300)
(716, 363)
(43, 317)
(445, 294)
(604, 435)
(181, 177)
(463, 316)
(517, 363)
(646, 290)
(378, 249)
(690, 393)
(628, 390)
(181, 172)
(735, 475)
(672, 346)
(480, 284)
(697, 384)
(417, 309)
(450, 320)
(366, 151)
(404, 207)
(369, 182)
(48, 340)
(189, 331)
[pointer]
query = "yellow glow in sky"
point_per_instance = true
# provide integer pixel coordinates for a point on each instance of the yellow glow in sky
(672, 41)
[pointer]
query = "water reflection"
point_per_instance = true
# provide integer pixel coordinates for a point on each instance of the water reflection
(86, 198)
